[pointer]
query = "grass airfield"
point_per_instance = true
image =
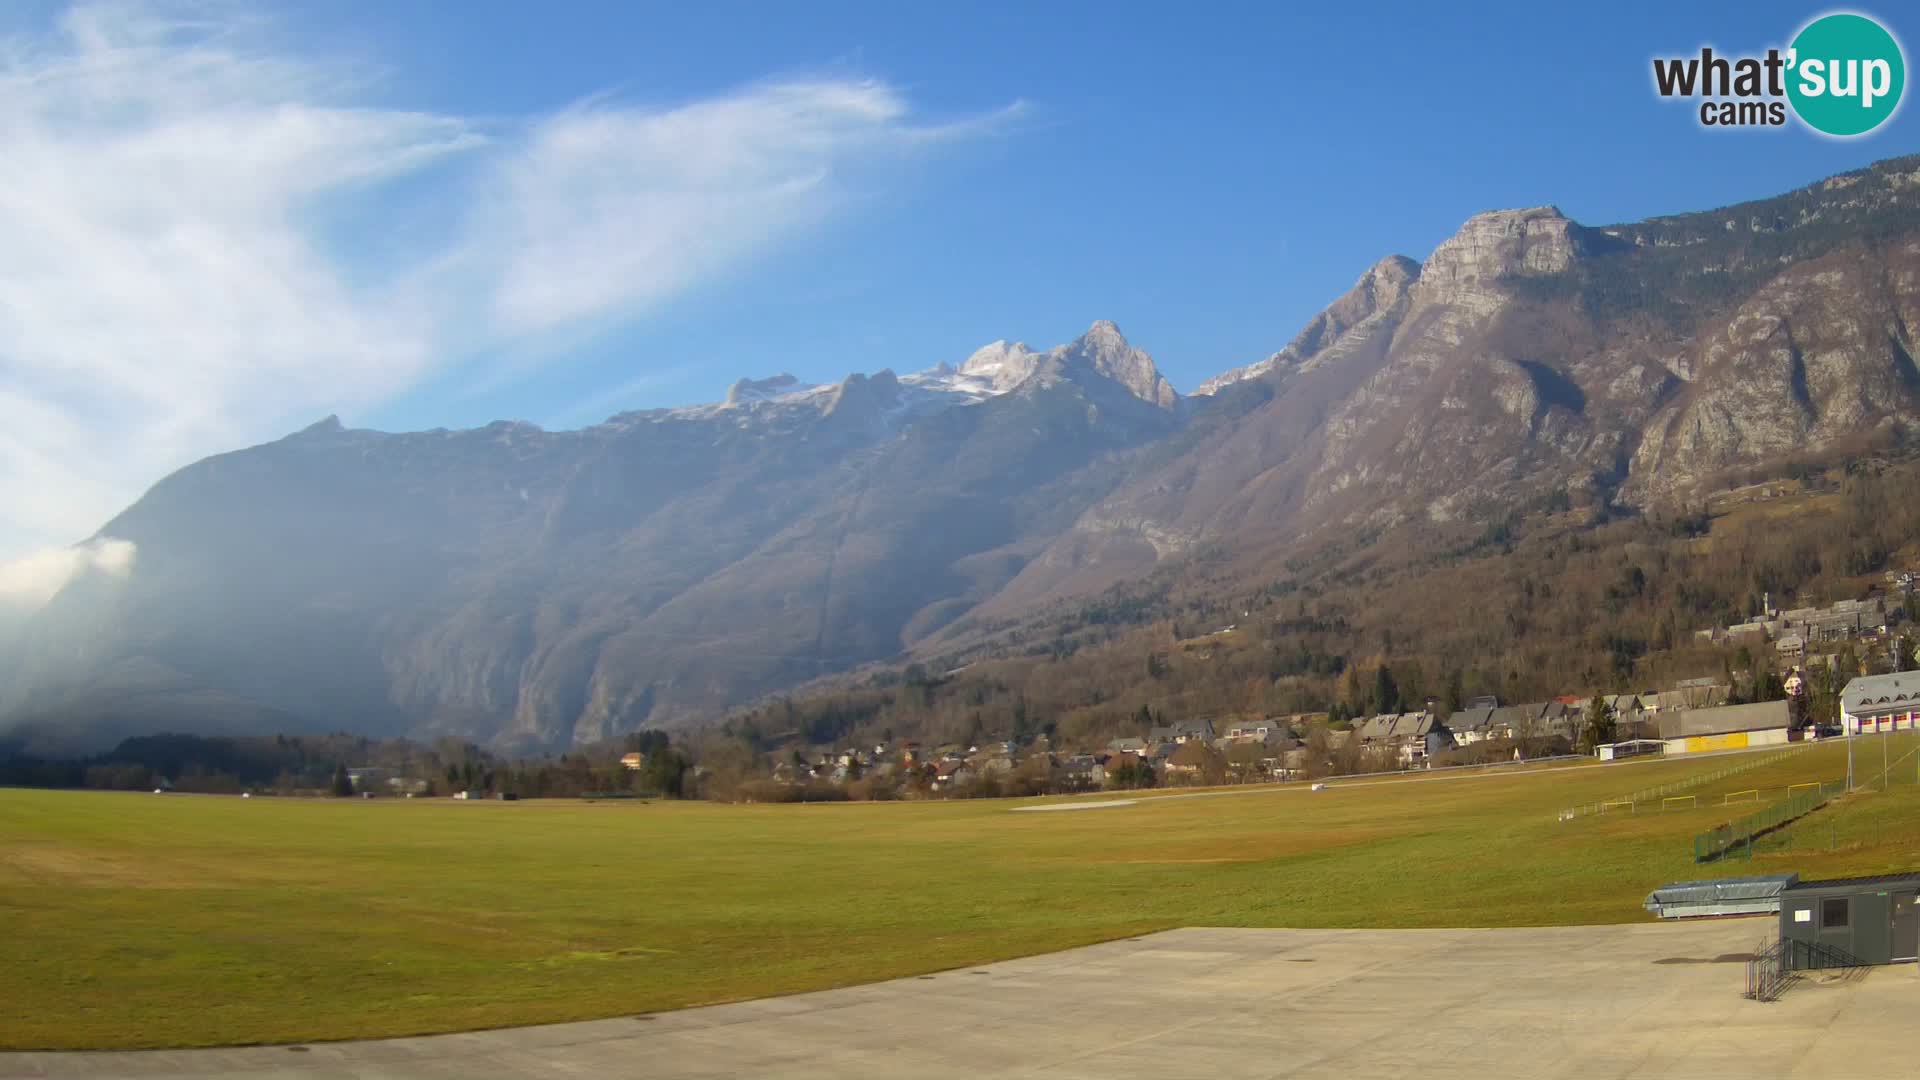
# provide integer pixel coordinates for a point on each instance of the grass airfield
(147, 921)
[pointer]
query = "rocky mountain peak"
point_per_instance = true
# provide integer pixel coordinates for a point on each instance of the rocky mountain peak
(1390, 276)
(1102, 351)
(1105, 350)
(329, 426)
(1497, 243)
(1002, 364)
(1378, 291)
(748, 391)
(863, 394)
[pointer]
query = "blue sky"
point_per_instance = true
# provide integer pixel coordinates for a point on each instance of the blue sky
(423, 214)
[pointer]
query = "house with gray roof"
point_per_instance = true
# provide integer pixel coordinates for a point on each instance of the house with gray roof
(1181, 731)
(1561, 719)
(1872, 703)
(1419, 736)
(1623, 703)
(1261, 729)
(1472, 725)
(1506, 721)
(1377, 729)
(1636, 724)
(1694, 694)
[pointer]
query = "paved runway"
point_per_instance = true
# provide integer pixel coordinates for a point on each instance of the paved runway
(1646, 1000)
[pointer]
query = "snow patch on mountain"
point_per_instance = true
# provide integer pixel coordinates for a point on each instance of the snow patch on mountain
(992, 370)
(1002, 365)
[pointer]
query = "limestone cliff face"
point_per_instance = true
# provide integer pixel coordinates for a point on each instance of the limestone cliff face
(1821, 355)
(1637, 363)
(1448, 420)
(1496, 245)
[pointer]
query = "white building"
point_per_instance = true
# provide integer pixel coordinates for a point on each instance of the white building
(1873, 703)
(1629, 748)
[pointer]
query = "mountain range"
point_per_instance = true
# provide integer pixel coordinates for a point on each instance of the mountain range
(540, 589)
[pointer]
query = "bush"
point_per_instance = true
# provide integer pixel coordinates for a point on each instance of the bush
(873, 789)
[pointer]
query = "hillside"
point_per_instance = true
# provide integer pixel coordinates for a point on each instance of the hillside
(541, 589)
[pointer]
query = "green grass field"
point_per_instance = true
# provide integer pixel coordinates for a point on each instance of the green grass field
(139, 920)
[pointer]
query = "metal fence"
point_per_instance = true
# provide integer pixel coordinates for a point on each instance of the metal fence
(1773, 969)
(1484, 766)
(1721, 839)
(1818, 956)
(1893, 770)
(1746, 764)
(1768, 974)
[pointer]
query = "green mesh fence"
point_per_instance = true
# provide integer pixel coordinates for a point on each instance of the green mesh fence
(1721, 839)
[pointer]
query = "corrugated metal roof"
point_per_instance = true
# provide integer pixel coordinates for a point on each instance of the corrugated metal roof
(1722, 719)
(1912, 878)
(1720, 896)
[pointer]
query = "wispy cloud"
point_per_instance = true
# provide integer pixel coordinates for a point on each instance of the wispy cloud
(599, 406)
(610, 208)
(168, 287)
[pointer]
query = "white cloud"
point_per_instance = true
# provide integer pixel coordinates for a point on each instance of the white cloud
(31, 581)
(614, 208)
(160, 297)
(168, 288)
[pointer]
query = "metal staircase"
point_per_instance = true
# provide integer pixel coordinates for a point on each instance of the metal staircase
(1776, 968)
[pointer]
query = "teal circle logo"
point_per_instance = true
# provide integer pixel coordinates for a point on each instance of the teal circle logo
(1846, 74)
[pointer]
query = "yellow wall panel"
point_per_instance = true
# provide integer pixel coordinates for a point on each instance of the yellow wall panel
(1699, 744)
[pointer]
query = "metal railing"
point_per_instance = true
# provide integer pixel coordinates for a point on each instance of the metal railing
(1768, 974)
(1486, 766)
(1819, 956)
(1775, 968)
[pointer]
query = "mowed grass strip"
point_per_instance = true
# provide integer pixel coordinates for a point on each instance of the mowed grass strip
(145, 921)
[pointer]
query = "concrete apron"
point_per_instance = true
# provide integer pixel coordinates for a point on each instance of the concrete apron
(1642, 1000)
